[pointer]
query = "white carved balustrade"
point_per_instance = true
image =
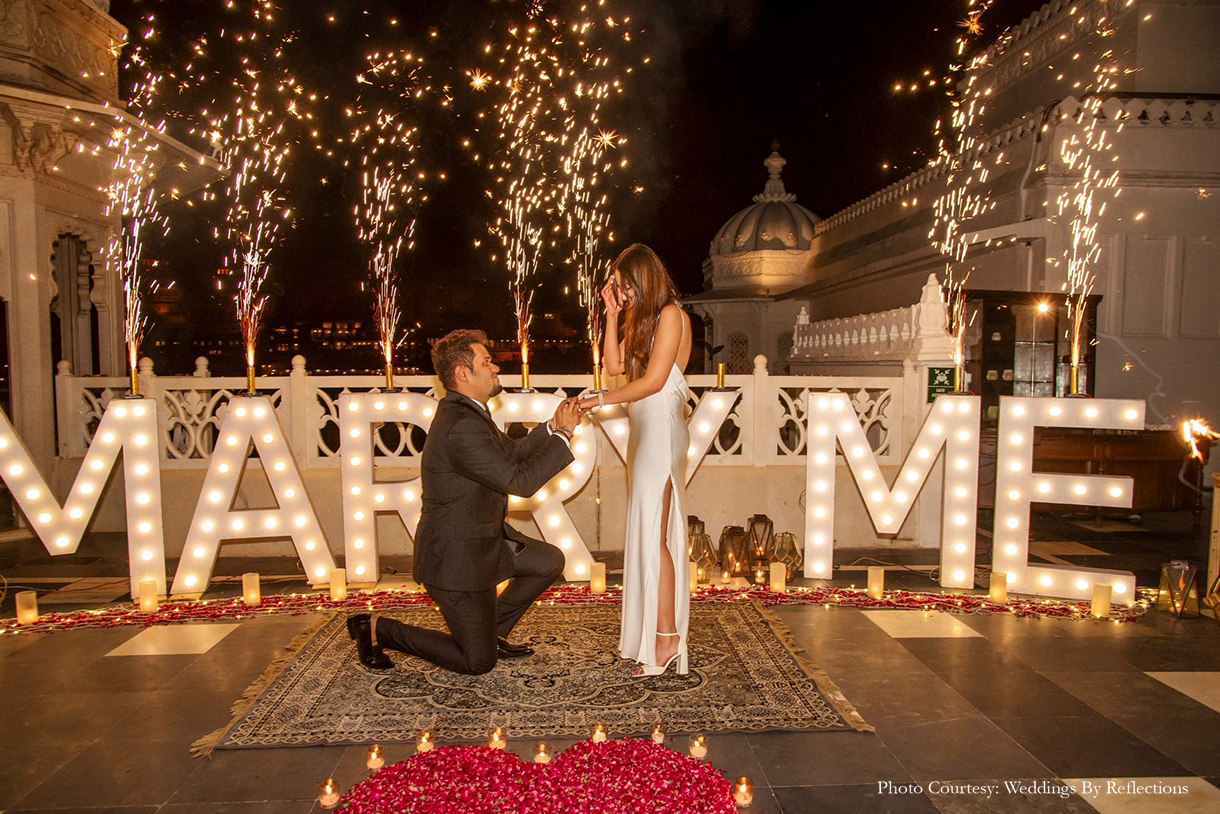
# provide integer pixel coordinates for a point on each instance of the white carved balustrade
(765, 427)
(916, 332)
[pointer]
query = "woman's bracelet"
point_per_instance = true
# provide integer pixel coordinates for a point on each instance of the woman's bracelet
(601, 399)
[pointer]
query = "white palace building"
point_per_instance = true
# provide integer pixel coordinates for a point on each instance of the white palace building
(832, 295)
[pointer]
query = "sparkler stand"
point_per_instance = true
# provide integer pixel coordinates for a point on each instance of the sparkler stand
(525, 378)
(389, 379)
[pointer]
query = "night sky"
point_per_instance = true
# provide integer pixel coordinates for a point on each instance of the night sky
(726, 78)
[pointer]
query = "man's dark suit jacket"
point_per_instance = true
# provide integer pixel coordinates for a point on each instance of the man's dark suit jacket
(470, 468)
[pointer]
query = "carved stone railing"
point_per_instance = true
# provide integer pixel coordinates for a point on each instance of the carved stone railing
(917, 332)
(764, 428)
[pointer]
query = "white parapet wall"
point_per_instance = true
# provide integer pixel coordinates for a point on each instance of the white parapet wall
(756, 464)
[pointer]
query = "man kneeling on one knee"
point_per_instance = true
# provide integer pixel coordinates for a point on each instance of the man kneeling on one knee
(463, 546)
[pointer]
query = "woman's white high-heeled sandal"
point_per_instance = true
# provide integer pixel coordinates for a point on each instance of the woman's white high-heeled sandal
(659, 669)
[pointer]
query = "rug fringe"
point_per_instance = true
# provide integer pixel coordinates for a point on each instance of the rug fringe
(205, 745)
(820, 677)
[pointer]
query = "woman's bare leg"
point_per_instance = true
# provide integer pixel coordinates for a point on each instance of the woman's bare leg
(666, 646)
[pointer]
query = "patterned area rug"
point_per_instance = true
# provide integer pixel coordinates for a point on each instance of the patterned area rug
(746, 675)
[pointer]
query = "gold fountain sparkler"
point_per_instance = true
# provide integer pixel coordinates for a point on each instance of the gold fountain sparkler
(254, 99)
(965, 196)
(1086, 153)
(390, 185)
(132, 196)
(591, 81)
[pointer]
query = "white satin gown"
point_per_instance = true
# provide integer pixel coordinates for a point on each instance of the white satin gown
(656, 452)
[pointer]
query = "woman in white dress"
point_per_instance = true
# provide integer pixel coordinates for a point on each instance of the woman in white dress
(654, 350)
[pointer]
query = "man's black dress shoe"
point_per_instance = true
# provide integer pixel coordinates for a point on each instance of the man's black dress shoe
(507, 650)
(359, 627)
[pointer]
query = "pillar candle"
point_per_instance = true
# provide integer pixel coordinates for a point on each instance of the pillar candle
(999, 588)
(693, 570)
(1102, 592)
(251, 593)
(597, 579)
(720, 374)
(779, 577)
(148, 595)
(27, 608)
(876, 581)
(338, 584)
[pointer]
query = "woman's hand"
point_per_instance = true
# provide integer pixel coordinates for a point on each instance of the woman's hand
(586, 405)
(613, 299)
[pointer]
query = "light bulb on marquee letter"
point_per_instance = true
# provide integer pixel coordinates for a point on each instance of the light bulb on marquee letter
(251, 420)
(128, 425)
(952, 424)
(1019, 485)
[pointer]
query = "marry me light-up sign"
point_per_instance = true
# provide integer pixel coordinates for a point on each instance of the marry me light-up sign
(952, 426)
(129, 426)
(250, 424)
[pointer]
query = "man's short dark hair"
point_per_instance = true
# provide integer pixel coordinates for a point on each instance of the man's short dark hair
(453, 349)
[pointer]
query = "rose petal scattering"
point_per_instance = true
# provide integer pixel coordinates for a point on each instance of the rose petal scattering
(234, 608)
(616, 777)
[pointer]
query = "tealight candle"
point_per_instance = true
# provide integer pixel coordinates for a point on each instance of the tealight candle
(328, 796)
(743, 792)
(999, 588)
(495, 739)
(698, 746)
(424, 743)
(724, 578)
(27, 607)
(759, 576)
(148, 595)
(375, 760)
(542, 753)
(251, 593)
(658, 733)
(338, 584)
(597, 579)
(597, 733)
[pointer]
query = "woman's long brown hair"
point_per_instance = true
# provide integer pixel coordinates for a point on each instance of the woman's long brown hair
(641, 269)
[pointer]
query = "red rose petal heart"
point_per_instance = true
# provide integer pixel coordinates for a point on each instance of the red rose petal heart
(615, 777)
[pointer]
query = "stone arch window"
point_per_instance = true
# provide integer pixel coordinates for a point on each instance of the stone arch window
(75, 327)
(739, 353)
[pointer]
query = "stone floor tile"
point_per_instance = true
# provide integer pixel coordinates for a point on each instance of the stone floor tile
(23, 767)
(1128, 694)
(1190, 741)
(1015, 693)
(174, 640)
(1080, 745)
(114, 774)
(238, 775)
(65, 717)
(796, 759)
(920, 625)
(1204, 687)
(904, 697)
(971, 749)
